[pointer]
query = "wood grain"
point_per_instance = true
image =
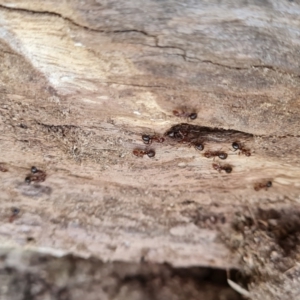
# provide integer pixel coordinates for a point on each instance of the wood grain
(81, 82)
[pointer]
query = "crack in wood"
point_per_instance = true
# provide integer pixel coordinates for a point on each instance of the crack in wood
(145, 33)
(187, 133)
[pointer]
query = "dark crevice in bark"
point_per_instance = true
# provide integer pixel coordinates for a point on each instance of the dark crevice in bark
(183, 55)
(54, 14)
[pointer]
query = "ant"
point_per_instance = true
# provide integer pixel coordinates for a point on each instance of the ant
(219, 168)
(2, 168)
(34, 170)
(190, 142)
(171, 134)
(35, 176)
(179, 131)
(220, 154)
(179, 135)
(183, 114)
(147, 139)
(260, 186)
(238, 146)
(15, 211)
(141, 153)
(198, 145)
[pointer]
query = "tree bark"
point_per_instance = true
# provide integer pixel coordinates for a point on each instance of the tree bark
(80, 82)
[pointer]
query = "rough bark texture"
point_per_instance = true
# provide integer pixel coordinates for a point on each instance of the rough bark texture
(81, 81)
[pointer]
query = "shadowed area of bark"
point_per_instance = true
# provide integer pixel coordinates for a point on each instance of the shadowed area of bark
(39, 276)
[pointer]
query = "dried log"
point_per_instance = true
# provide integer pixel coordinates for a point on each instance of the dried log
(81, 82)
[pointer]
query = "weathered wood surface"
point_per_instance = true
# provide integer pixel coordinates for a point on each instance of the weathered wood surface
(80, 81)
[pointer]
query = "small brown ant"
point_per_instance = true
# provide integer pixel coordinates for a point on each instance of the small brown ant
(147, 139)
(15, 211)
(238, 146)
(265, 186)
(177, 133)
(141, 153)
(226, 168)
(183, 114)
(198, 145)
(2, 168)
(170, 134)
(220, 154)
(35, 176)
(34, 170)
